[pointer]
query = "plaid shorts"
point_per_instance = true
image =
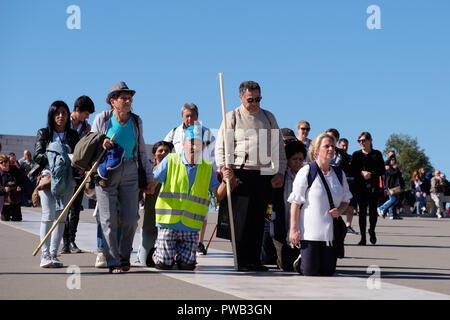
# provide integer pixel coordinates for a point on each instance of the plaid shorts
(171, 243)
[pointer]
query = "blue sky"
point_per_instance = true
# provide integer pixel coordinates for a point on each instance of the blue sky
(315, 60)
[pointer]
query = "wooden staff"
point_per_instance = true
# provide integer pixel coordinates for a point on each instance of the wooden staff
(71, 200)
(230, 209)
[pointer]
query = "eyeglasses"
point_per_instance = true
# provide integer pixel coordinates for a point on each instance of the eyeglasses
(305, 129)
(362, 140)
(257, 99)
(4, 162)
(126, 98)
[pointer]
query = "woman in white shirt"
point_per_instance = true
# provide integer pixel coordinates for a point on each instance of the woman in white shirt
(311, 216)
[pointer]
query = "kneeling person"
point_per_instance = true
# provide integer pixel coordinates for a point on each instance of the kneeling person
(183, 201)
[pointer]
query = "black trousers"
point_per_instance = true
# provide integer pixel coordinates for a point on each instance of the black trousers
(318, 259)
(73, 217)
(367, 202)
(11, 212)
(249, 216)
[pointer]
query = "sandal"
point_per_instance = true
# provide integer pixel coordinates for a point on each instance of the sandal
(115, 270)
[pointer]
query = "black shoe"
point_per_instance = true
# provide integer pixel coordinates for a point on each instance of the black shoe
(373, 238)
(362, 242)
(65, 248)
(259, 267)
(149, 262)
(243, 268)
(125, 266)
(201, 249)
(74, 248)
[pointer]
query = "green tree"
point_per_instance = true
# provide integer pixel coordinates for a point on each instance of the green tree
(410, 156)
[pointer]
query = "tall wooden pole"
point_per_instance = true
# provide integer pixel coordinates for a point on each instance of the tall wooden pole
(230, 209)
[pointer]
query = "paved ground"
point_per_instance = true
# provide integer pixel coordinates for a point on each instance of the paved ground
(412, 258)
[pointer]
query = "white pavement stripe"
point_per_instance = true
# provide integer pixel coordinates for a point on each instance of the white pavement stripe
(216, 271)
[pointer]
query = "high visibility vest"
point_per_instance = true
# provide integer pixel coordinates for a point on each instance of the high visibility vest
(174, 204)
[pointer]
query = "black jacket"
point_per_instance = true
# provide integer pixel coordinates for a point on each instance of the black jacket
(13, 175)
(393, 178)
(372, 162)
(43, 139)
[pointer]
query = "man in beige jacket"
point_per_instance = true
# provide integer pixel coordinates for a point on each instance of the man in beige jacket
(256, 153)
(438, 184)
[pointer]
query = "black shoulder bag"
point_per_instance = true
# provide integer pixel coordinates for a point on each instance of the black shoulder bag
(339, 227)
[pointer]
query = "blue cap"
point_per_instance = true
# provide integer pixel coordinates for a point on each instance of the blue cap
(194, 132)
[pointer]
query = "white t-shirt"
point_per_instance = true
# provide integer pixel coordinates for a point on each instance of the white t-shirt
(176, 136)
(315, 223)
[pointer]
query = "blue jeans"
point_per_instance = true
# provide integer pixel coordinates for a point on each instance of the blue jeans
(390, 204)
(49, 216)
(422, 201)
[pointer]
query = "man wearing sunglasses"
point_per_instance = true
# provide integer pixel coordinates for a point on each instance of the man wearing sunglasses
(257, 156)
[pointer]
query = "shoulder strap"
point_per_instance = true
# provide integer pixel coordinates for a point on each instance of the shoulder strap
(312, 173)
(173, 134)
(268, 119)
(330, 198)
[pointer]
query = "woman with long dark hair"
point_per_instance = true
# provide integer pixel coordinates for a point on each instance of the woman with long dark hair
(57, 130)
(367, 166)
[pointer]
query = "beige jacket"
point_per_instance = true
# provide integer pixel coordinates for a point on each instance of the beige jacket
(254, 139)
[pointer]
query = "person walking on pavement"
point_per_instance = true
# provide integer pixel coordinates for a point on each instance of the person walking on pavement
(183, 201)
(57, 130)
(189, 116)
(367, 167)
(438, 184)
(393, 178)
(120, 194)
(83, 108)
(251, 132)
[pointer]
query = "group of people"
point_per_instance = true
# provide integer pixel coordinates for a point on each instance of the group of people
(306, 183)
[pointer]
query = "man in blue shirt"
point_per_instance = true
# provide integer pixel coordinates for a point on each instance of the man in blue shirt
(177, 239)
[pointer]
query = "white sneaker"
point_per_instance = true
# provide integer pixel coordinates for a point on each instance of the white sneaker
(46, 261)
(380, 213)
(56, 262)
(100, 261)
(439, 216)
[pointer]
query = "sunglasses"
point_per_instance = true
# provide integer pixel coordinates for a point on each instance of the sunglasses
(362, 140)
(257, 99)
(4, 162)
(305, 129)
